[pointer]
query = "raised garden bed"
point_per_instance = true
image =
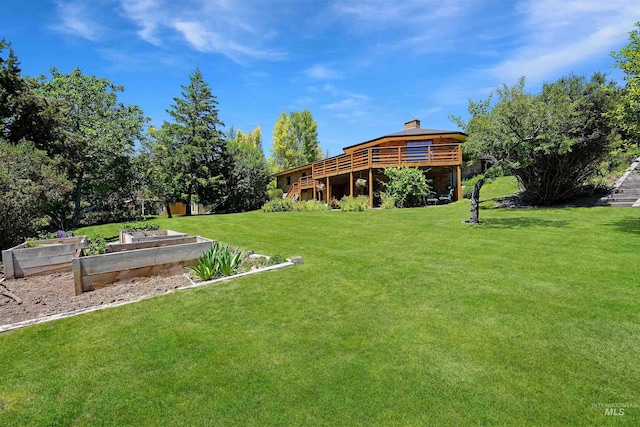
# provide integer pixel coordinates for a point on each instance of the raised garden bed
(41, 256)
(161, 257)
(148, 235)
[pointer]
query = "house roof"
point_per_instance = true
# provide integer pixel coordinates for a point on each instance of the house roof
(410, 133)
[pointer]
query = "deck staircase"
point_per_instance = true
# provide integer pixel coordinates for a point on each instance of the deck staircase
(627, 190)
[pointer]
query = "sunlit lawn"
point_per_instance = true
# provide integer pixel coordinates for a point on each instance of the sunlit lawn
(400, 317)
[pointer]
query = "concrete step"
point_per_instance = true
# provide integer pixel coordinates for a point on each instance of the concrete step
(619, 200)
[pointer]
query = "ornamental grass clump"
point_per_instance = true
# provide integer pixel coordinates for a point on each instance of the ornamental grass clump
(219, 260)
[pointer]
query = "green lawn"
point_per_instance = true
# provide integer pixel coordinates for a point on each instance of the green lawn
(401, 317)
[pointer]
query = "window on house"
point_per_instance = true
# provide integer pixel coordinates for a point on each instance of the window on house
(419, 150)
(288, 180)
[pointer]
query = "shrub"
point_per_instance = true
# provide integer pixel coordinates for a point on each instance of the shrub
(407, 186)
(334, 203)
(388, 202)
(281, 205)
(311, 206)
(354, 204)
(275, 194)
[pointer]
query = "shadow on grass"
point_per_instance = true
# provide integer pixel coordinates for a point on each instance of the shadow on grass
(628, 225)
(522, 222)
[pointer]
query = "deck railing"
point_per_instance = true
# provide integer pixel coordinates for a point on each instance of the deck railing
(379, 157)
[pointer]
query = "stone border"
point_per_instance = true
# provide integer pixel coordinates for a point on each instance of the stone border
(5, 328)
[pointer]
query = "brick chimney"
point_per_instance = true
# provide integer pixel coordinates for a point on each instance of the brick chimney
(412, 124)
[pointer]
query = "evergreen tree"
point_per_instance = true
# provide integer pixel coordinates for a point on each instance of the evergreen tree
(198, 145)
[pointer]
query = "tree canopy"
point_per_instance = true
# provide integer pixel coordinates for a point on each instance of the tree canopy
(552, 142)
(627, 112)
(248, 174)
(99, 134)
(295, 141)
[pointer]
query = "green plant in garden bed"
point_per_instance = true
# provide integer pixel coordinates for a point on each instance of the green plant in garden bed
(96, 245)
(140, 226)
(218, 260)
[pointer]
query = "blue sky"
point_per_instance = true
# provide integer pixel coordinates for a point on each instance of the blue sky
(362, 67)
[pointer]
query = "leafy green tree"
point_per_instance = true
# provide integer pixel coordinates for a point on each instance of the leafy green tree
(406, 186)
(295, 141)
(248, 175)
(627, 112)
(198, 145)
(29, 183)
(158, 163)
(552, 142)
(98, 141)
(306, 135)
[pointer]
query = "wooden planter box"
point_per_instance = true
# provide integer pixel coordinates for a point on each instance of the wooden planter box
(164, 257)
(144, 236)
(41, 256)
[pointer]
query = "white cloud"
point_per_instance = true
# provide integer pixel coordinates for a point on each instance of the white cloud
(148, 15)
(410, 26)
(323, 72)
(204, 40)
(214, 26)
(395, 13)
(560, 35)
(75, 21)
(348, 105)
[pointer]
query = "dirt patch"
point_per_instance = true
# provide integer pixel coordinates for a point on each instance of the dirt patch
(39, 296)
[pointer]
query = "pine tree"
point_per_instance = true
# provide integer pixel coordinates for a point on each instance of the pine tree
(199, 143)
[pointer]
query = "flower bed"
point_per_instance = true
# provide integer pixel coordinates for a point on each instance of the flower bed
(163, 257)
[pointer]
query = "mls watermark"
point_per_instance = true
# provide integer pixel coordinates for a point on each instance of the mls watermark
(615, 409)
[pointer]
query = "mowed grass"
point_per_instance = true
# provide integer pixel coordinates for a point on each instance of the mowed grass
(401, 317)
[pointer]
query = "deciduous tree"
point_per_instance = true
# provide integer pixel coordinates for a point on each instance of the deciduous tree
(98, 141)
(627, 112)
(29, 183)
(248, 176)
(552, 142)
(295, 141)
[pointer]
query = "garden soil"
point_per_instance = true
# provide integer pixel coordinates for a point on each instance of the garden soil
(40, 296)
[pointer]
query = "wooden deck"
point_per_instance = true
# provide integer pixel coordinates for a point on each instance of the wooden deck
(379, 157)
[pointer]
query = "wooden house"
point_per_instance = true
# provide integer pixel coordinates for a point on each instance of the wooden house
(360, 169)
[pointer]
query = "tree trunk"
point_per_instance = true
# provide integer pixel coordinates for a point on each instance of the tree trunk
(188, 205)
(475, 203)
(168, 208)
(77, 211)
